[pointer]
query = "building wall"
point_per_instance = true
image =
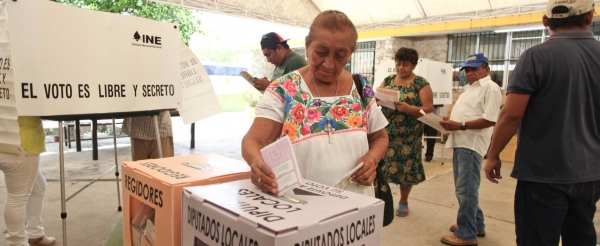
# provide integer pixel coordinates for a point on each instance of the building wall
(433, 48)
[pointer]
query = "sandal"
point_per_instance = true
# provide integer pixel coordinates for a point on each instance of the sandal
(401, 207)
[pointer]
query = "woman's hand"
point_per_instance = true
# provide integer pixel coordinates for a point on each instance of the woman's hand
(366, 174)
(262, 132)
(262, 176)
(402, 106)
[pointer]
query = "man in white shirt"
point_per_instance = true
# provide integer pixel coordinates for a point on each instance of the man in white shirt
(472, 120)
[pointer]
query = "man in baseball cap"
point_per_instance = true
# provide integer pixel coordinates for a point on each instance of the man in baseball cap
(567, 8)
(553, 92)
(474, 61)
(278, 52)
(472, 122)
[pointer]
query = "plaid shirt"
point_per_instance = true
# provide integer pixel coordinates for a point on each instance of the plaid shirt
(142, 127)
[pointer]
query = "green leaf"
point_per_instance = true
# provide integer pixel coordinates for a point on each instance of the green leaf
(315, 128)
(341, 126)
(298, 97)
(324, 110)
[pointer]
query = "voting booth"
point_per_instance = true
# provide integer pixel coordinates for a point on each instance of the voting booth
(152, 193)
(438, 74)
(92, 65)
(238, 213)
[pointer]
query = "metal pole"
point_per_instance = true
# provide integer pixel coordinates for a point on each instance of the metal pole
(158, 144)
(193, 135)
(63, 203)
(94, 139)
(77, 136)
(116, 165)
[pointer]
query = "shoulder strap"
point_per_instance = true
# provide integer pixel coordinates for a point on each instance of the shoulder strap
(358, 84)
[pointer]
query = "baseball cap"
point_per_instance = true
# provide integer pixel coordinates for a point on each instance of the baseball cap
(271, 39)
(575, 7)
(474, 60)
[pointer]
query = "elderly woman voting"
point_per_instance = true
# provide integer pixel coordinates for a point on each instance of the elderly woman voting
(332, 127)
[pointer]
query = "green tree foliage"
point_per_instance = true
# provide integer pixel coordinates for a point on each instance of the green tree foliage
(186, 19)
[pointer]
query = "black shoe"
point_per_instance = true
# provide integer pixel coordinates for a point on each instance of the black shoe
(428, 158)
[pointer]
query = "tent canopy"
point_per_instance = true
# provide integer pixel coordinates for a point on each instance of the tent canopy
(366, 14)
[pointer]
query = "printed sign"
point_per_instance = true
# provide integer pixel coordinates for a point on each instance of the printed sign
(199, 100)
(10, 141)
(238, 213)
(90, 62)
(439, 76)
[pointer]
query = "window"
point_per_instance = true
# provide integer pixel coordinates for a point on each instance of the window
(493, 45)
(595, 27)
(502, 49)
(363, 60)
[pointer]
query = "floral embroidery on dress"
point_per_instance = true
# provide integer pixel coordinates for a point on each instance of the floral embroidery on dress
(306, 115)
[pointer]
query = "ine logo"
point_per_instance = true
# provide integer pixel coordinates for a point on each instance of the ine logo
(147, 40)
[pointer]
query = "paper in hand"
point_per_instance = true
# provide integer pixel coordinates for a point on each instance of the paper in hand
(280, 157)
(434, 121)
(247, 77)
(386, 97)
(345, 181)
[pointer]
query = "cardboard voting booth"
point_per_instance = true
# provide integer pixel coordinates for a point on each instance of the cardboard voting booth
(152, 193)
(438, 74)
(238, 213)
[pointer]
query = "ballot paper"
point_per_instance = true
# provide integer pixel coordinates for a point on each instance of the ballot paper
(434, 121)
(386, 97)
(248, 77)
(280, 157)
(346, 180)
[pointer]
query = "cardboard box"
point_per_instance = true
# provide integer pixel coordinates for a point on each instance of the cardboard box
(238, 213)
(152, 193)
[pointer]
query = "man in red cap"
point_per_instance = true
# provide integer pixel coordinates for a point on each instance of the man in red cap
(278, 52)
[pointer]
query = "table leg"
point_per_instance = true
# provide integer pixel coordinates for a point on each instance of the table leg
(116, 164)
(63, 204)
(193, 139)
(77, 136)
(94, 140)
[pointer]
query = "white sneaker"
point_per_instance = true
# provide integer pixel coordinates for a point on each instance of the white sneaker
(44, 241)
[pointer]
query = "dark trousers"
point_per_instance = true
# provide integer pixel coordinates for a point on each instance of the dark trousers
(545, 212)
(430, 132)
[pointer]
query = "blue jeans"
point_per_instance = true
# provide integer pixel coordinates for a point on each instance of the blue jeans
(545, 212)
(467, 177)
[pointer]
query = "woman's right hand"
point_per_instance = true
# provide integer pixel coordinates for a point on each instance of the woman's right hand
(262, 176)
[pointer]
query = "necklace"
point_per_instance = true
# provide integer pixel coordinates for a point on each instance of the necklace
(328, 127)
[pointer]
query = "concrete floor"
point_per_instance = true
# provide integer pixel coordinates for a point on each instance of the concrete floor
(92, 214)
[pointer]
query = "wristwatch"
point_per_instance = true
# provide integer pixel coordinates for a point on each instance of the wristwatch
(463, 126)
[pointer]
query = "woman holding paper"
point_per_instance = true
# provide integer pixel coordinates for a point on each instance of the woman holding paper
(403, 161)
(25, 186)
(332, 127)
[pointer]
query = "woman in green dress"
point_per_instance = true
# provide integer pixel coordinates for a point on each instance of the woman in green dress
(403, 162)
